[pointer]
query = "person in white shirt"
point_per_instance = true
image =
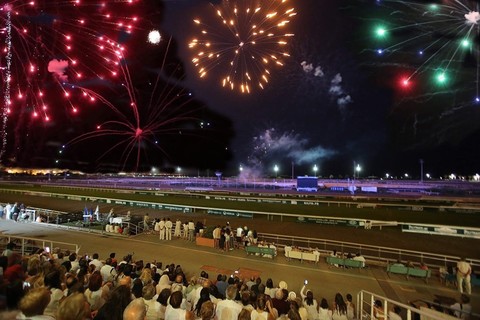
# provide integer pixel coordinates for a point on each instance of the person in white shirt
(462, 309)
(191, 231)
(228, 309)
(178, 226)
(153, 312)
(168, 229)
(161, 226)
(394, 314)
(359, 257)
(463, 275)
(107, 271)
(310, 304)
(97, 263)
(174, 310)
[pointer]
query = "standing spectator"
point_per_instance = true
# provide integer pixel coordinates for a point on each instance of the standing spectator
(178, 226)
(191, 231)
(216, 236)
(168, 229)
(146, 222)
(161, 227)
(156, 226)
(185, 231)
(463, 275)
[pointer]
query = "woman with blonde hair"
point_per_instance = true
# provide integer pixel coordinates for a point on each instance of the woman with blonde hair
(74, 307)
(146, 276)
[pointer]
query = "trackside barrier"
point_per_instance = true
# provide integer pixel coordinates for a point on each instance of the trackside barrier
(373, 254)
(26, 246)
(421, 309)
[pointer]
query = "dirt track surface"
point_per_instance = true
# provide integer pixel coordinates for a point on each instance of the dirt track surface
(387, 237)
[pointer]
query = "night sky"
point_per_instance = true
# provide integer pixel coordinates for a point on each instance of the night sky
(335, 101)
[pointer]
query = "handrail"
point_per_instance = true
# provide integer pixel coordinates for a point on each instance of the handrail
(384, 255)
(366, 300)
(377, 254)
(27, 244)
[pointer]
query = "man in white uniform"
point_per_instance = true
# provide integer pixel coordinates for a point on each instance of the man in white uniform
(168, 229)
(161, 226)
(463, 275)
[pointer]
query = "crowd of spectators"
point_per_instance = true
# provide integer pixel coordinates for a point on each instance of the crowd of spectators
(64, 285)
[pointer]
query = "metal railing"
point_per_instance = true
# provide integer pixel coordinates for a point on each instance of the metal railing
(373, 306)
(27, 246)
(374, 254)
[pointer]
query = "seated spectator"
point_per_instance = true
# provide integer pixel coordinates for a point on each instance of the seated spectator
(74, 307)
(228, 309)
(207, 312)
(116, 304)
(398, 263)
(34, 303)
(394, 314)
(136, 310)
(423, 266)
(359, 257)
(174, 310)
(54, 283)
(462, 309)
(378, 312)
(94, 293)
(153, 306)
(324, 312)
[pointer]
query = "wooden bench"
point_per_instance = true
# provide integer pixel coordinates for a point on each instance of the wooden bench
(300, 255)
(408, 271)
(260, 250)
(345, 262)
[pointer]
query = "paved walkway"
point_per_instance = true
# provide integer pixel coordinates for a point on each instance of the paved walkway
(324, 281)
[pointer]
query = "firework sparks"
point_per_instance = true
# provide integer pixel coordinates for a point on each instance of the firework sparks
(443, 37)
(61, 44)
(142, 119)
(247, 40)
(52, 48)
